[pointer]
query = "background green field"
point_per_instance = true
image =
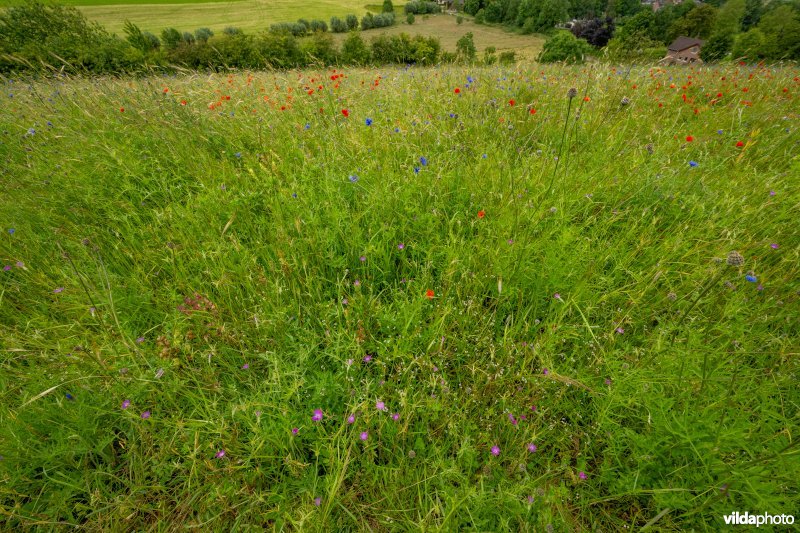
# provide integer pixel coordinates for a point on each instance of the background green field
(526, 301)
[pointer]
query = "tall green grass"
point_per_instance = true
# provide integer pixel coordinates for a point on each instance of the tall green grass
(201, 257)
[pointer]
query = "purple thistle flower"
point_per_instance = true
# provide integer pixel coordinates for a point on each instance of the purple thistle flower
(380, 406)
(364, 435)
(145, 415)
(295, 431)
(557, 296)
(245, 366)
(620, 330)
(58, 290)
(582, 475)
(774, 246)
(351, 419)
(545, 371)
(125, 404)
(317, 415)
(771, 193)
(608, 381)
(318, 500)
(7, 268)
(396, 417)
(357, 283)
(401, 246)
(362, 258)
(531, 447)
(495, 450)
(760, 287)
(139, 340)
(367, 358)
(20, 264)
(220, 454)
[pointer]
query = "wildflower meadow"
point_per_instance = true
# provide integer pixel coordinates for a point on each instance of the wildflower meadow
(505, 298)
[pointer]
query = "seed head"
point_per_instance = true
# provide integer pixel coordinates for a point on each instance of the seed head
(625, 101)
(572, 93)
(735, 259)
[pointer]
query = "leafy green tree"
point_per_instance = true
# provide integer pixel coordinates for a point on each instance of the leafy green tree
(717, 46)
(553, 12)
(352, 22)
(143, 41)
(752, 13)
(749, 45)
(465, 48)
(388, 7)
(697, 23)
(781, 29)
(564, 46)
(171, 38)
(203, 35)
(729, 17)
(354, 50)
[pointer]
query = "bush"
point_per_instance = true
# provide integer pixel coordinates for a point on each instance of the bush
(171, 38)
(355, 50)
(508, 57)
(448, 57)
(232, 30)
(421, 7)
(459, 19)
(352, 22)
(318, 26)
(403, 49)
(410, 18)
(320, 49)
(479, 17)
(188, 37)
(367, 22)
(465, 48)
(203, 35)
(471, 7)
(717, 47)
(295, 29)
(383, 20)
(564, 47)
(387, 6)
(749, 45)
(529, 26)
(338, 25)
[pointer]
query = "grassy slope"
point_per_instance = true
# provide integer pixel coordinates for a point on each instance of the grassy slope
(249, 15)
(691, 405)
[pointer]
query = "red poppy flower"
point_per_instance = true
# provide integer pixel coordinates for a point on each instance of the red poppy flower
(533, 111)
(481, 213)
(183, 102)
(739, 144)
(586, 99)
(457, 91)
(121, 109)
(346, 113)
(511, 102)
(429, 293)
(689, 138)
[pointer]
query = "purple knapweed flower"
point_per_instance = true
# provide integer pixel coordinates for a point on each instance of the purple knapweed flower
(531, 447)
(396, 417)
(317, 415)
(380, 406)
(545, 371)
(139, 340)
(401, 246)
(620, 330)
(317, 501)
(7, 268)
(58, 290)
(351, 419)
(295, 431)
(582, 475)
(367, 358)
(245, 366)
(774, 246)
(364, 435)
(145, 415)
(495, 450)
(362, 258)
(125, 404)
(220, 454)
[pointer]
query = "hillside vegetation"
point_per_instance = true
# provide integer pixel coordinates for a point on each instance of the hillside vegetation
(496, 298)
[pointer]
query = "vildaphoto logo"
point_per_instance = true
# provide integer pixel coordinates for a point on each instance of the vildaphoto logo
(746, 519)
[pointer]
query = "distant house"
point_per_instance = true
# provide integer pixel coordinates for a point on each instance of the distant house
(684, 50)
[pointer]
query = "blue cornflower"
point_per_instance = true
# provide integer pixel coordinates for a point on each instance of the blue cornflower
(49, 123)
(397, 130)
(368, 122)
(70, 397)
(294, 195)
(484, 156)
(424, 161)
(353, 178)
(31, 131)
(751, 278)
(11, 231)
(469, 79)
(308, 126)
(719, 131)
(238, 155)
(692, 163)
(416, 170)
